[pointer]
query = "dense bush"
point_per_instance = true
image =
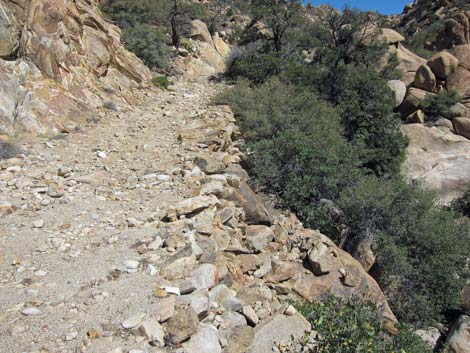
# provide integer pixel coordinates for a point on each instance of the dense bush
(462, 204)
(438, 106)
(323, 133)
(149, 44)
(352, 326)
(421, 250)
(299, 150)
(150, 26)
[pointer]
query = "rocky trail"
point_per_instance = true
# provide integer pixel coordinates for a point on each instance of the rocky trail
(140, 234)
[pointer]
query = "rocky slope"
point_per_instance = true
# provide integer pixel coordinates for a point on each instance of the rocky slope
(59, 61)
(142, 229)
(140, 232)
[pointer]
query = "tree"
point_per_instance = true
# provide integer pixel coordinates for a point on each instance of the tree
(279, 16)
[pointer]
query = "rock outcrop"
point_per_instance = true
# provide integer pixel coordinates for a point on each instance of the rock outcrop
(61, 60)
(211, 54)
(438, 157)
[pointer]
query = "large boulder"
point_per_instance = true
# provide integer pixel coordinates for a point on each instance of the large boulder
(412, 101)
(399, 89)
(443, 64)
(409, 62)
(462, 53)
(9, 34)
(438, 157)
(459, 337)
(425, 78)
(462, 126)
(459, 81)
(279, 328)
(200, 32)
(466, 298)
(255, 211)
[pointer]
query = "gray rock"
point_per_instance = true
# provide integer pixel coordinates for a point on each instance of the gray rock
(166, 309)
(399, 89)
(205, 277)
(153, 331)
(31, 312)
(278, 328)
(225, 297)
(205, 340)
(240, 339)
(459, 336)
(9, 34)
(259, 236)
(250, 315)
(132, 322)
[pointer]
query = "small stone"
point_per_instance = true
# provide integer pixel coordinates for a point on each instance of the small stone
(131, 264)
(151, 270)
(102, 154)
(250, 315)
(38, 223)
(132, 322)
(31, 312)
(173, 290)
(132, 222)
(166, 309)
(153, 331)
(205, 277)
(156, 244)
(290, 311)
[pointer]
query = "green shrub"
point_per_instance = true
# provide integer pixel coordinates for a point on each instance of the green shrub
(421, 249)
(149, 44)
(187, 44)
(438, 106)
(352, 326)
(161, 82)
(462, 204)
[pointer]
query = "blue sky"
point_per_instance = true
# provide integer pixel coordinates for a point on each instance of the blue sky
(382, 6)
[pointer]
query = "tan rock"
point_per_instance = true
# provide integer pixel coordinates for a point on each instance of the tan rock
(459, 337)
(412, 101)
(439, 158)
(425, 78)
(255, 211)
(258, 237)
(200, 32)
(416, 118)
(458, 80)
(462, 53)
(192, 205)
(462, 126)
(443, 64)
(409, 62)
(183, 325)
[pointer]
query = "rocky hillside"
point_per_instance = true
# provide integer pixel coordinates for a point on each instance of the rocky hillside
(127, 223)
(59, 62)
